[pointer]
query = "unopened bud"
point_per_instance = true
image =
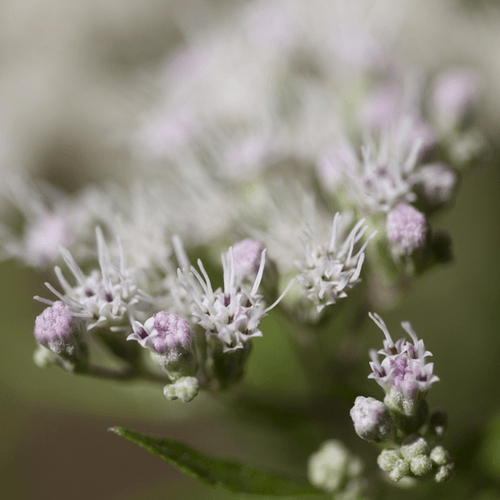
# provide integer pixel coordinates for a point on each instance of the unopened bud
(372, 420)
(413, 446)
(184, 388)
(420, 465)
(400, 470)
(333, 467)
(387, 459)
(444, 473)
(406, 229)
(440, 456)
(169, 338)
(59, 332)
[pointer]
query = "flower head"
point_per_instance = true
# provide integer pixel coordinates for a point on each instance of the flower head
(170, 341)
(435, 183)
(334, 468)
(59, 334)
(406, 229)
(331, 269)
(105, 295)
(372, 420)
(57, 329)
(403, 373)
(232, 314)
(380, 179)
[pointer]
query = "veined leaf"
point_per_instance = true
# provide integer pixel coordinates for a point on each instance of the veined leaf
(229, 475)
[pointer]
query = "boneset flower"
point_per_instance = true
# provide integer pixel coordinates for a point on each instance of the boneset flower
(58, 331)
(231, 314)
(404, 417)
(380, 180)
(403, 373)
(406, 229)
(103, 296)
(332, 269)
(170, 341)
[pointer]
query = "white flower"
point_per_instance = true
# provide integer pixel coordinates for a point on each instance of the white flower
(232, 314)
(103, 296)
(331, 269)
(403, 373)
(52, 220)
(380, 180)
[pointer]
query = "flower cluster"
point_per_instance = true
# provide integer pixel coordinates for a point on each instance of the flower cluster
(403, 420)
(193, 343)
(295, 134)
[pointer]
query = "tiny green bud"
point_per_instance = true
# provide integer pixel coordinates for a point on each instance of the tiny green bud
(413, 446)
(184, 388)
(387, 459)
(440, 456)
(420, 465)
(400, 470)
(444, 473)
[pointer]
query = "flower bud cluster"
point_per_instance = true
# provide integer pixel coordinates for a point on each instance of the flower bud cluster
(335, 469)
(403, 421)
(416, 458)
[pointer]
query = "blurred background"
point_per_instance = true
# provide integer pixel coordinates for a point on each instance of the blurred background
(71, 74)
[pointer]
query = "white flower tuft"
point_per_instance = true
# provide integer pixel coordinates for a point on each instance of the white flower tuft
(105, 295)
(232, 314)
(330, 270)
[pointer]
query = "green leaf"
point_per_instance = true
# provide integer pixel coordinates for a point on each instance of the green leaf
(229, 475)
